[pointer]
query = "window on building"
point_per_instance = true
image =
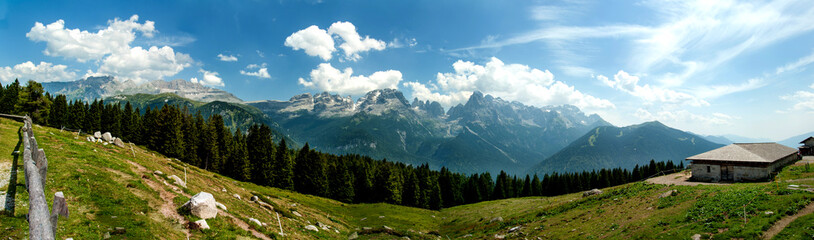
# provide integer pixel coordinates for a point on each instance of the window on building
(707, 168)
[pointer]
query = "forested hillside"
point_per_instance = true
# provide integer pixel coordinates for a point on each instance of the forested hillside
(254, 156)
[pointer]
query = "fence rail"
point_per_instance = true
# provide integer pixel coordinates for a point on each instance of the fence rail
(41, 224)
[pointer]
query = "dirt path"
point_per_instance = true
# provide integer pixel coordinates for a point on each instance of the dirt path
(168, 209)
(785, 221)
(679, 178)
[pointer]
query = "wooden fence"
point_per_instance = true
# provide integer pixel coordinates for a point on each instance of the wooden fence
(41, 224)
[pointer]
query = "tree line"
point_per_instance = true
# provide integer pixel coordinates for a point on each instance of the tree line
(252, 155)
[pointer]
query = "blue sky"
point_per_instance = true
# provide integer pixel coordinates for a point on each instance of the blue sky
(711, 67)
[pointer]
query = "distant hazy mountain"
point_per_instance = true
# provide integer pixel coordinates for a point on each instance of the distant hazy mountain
(485, 134)
(611, 147)
(742, 139)
(794, 142)
(717, 139)
(107, 86)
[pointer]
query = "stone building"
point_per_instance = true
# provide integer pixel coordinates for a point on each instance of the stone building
(808, 147)
(741, 162)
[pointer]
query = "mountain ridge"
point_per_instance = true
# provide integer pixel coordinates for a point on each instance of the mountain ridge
(102, 87)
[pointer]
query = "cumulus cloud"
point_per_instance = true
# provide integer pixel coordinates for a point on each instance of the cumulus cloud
(354, 43)
(227, 58)
(209, 79)
(262, 71)
(684, 116)
(327, 78)
(651, 94)
(318, 42)
(83, 45)
(513, 82)
(111, 46)
(145, 64)
(43, 72)
(315, 42)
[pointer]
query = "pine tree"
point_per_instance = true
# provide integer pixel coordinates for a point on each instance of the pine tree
(500, 186)
(284, 167)
(526, 187)
(259, 148)
(11, 94)
(59, 112)
(536, 188)
(341, 183)
(241, 165)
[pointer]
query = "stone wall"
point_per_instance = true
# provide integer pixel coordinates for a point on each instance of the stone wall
(749, 174)
(699, 172)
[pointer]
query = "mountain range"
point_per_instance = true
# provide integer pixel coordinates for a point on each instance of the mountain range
(107, 86)
(485, 134)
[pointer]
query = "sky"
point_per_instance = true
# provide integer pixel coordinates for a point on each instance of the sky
(709, 67)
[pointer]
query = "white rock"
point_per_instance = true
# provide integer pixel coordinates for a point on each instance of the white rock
(255, 221)
(177, 180)
(97, 134)
(107, 137)
(768, 212)
(118, 142)
(236, 196)
(296, 213)
(104, 143)
(158, 172)
(202, 224)
(202, 205)
(497, 219)
(223, 190)
(312, 228)
(221, 206)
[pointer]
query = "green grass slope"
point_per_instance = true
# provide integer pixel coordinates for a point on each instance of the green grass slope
(106, 187)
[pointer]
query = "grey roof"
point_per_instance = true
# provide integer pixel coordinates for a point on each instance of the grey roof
(804, 141)
(747, 152)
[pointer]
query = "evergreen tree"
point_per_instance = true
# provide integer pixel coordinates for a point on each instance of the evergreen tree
(500, 186)
(240, 165)
(11, 96)
(259, 148)
(59, 112)
(284, 167)
(526, 187)
(341, 183)
(536, 188)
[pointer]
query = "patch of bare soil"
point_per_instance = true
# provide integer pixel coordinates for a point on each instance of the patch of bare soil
(679, 178)
(785, 221)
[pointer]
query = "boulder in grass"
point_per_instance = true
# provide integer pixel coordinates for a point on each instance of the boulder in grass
(118, 142)
(202, 224)
(221, 206)
(202, 205)
(107, 137)
(236, 196)
(97, 135)
(177, 180)
(312, 228)
(591, 192)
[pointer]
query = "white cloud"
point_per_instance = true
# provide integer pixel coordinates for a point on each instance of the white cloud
(262, 71)
(684, 116)
(315, 42)
(407, 42)
(209, 79)
(353, 43)
(795, 65)
(43, 72)
(651, 94)
(804, 101)
(688, 38)
(227, 58)
(145, 64)
(318, 42)
(513, 82)
(83, 45)
(111, 46)
(712, 92)
(327, 78)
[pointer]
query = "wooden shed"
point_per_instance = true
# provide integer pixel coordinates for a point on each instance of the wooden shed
(808, 147)
(741, 162)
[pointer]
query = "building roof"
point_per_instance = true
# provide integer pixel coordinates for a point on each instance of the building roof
(804, 141)
(747, 152)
